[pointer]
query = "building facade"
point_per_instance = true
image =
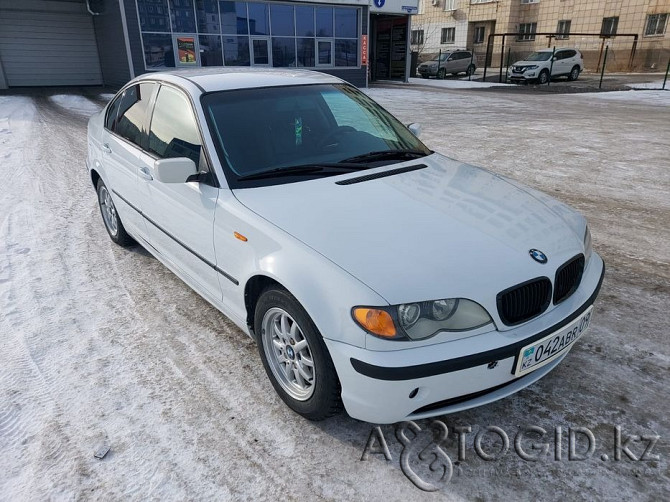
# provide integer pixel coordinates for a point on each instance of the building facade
(108, 42)
(586, 25)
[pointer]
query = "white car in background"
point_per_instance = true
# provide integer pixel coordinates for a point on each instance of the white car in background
(371, 271)
(539, 65)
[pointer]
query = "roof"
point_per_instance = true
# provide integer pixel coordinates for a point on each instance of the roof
(221, 79)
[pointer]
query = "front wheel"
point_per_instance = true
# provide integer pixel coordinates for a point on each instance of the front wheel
(574, 74)
(295, 357)
(441, 73)
(111, 218)
(544, 77)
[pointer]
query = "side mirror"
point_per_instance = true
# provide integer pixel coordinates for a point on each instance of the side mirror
(176, 170)
(415, 129)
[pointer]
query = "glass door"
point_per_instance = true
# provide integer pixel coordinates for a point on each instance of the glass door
(324, 52)
(260, 51)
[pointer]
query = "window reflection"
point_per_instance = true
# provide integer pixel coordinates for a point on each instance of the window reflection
(296, 35)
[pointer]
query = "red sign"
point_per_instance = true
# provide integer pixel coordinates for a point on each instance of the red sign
(364, 49)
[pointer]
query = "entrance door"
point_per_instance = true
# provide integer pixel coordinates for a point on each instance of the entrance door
(324, 52)
(260, 51)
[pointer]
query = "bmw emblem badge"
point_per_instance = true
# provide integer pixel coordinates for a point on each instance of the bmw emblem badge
(538, 256)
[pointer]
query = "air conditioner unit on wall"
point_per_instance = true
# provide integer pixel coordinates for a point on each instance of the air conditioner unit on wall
(435, 2)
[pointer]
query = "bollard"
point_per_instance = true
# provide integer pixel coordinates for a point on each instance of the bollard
(509, 52)
(439, 57)
(665, 80)
(602, 71)
(551, 66)
(472, 57)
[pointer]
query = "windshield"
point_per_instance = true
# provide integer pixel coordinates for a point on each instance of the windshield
(539, 56)
(278, 128)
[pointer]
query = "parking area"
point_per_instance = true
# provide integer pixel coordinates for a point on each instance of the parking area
(103, 345)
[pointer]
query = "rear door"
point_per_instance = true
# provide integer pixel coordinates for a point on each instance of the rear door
(122, 139)
(180, 216)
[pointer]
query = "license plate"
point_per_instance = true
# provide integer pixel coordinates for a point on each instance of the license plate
(550, 347)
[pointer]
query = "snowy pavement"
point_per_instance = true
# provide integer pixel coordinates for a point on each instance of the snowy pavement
(102, 344)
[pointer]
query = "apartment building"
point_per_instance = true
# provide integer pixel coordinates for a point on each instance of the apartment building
(587, 25)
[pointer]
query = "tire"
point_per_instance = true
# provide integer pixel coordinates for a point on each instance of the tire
(305, 379)
(110, 217)
(441, 73)
(543, 78)
(471, 70)
(574, 74)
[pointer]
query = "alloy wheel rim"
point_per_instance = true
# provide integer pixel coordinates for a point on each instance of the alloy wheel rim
(288, 354)
(108, 211)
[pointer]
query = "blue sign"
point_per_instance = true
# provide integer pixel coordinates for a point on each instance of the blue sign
(380, 3)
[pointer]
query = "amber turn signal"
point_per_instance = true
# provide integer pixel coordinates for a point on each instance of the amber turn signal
(240, 236)
(375, 321)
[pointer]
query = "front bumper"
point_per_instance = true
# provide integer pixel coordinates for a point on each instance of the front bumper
(427, 72)
(455, 375)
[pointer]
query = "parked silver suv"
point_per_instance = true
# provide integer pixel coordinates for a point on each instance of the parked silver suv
(454, 62)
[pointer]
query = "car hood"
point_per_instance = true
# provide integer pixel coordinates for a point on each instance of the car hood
(529, 63)
(446, 230)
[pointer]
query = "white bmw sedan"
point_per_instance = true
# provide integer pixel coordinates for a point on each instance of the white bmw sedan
(373, 273)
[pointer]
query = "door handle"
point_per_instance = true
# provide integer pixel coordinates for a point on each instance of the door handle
(106, 148)
(145, 173)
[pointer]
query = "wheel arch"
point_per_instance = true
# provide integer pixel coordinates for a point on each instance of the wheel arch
(253, 288)
(95, 177)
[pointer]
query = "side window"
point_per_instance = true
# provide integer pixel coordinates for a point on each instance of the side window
(570, 54)
(174, 131)
(110, 121)
(560, 55)
(132, 113)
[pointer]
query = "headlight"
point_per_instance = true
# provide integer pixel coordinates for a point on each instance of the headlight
(534, 67)
(417, 321)
(587, 245)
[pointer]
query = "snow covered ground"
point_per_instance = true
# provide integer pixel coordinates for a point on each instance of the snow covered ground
(101, 344)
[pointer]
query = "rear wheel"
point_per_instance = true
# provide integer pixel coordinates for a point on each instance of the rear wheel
(295, 356)
(574, 73)
(471, 70)
(111, 218)
(544, 77)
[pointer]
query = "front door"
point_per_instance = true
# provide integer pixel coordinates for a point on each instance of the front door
(260, 51)
(122, 139)
(180, 216)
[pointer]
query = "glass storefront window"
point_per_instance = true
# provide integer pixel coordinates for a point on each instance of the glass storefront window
(153, 15)
(210, 50)
(258, 19)
(234, 18)
(283, 52)
(304, 21)
(346, 23)
(282, 20)
(183, 16)
(158, 51)
(207, 15)
(236, 51)
(346, 52)
(305, 52)
(224, 32)
(324, 21)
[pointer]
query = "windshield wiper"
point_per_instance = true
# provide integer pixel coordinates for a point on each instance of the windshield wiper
(321, 168)
(386, 155)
